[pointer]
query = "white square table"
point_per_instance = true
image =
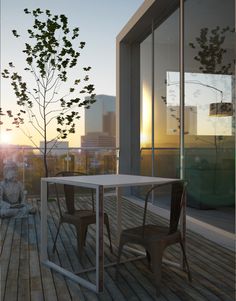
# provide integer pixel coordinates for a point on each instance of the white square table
(99, 183)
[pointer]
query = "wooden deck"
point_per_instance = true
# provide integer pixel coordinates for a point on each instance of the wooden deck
(24, 278)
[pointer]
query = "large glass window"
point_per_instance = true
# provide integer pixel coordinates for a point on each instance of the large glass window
(146, 105)
(161, 157)
(209, 82)
(209, 130)
(166, 117)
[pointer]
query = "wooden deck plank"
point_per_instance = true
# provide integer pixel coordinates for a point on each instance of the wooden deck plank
(204, 281)
(24, 278)
(12, 277)
(48, 282)
(6, 240)
(36, 287)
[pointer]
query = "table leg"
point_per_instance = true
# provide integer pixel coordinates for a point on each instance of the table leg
(99, 239)
(183, 228)
(44, 238)
(119, 214)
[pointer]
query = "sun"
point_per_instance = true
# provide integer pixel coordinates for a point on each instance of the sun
(5, 137)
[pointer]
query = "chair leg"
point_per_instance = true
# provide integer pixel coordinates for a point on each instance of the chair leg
(80, 239)
(85, 235)
(156, 254)
(54, 244)
(121, 244)
(109, 234)
(148, 259)
(186, 261)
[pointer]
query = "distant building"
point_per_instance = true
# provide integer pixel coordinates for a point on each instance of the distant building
(98, 139)
(94, 115)
(100, 123)
(58, 148)
(109, 123)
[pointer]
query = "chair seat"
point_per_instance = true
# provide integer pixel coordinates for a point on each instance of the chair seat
(86, 216)
(148, 233)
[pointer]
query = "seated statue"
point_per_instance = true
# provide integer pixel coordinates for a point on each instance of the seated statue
(12, 197)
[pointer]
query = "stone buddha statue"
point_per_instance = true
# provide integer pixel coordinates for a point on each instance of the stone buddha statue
(12, 197)
(12, 189)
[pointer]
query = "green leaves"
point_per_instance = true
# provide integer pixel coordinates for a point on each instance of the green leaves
(29, 60)
(77, 81)
(26, 11)
(15, 33)
(37, 12)
(82, 44)
(5, 73)
(9, 113)
(75, 33)
(210, 47)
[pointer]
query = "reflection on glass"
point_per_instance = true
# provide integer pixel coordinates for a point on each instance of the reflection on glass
(209, 56)
(166, 57)
(200, 92)
(146, 111)
(145, 92)
(209, 79)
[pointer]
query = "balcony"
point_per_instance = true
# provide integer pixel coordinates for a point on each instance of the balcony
(24, 278)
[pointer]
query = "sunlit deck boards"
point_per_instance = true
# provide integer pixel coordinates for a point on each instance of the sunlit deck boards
(24, 278)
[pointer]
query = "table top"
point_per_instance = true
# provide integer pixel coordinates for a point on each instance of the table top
(109, 180)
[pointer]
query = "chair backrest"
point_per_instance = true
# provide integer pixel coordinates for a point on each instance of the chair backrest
(177, 198)
(69, 191)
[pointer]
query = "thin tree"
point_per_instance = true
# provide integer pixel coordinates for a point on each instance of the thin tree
(55, 99)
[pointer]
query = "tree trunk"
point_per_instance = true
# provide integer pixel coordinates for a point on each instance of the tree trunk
(45, 159)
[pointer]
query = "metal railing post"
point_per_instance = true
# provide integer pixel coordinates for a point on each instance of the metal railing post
(182, 122)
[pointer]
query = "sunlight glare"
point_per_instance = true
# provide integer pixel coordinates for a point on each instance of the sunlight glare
(146, 126)
(5, 138)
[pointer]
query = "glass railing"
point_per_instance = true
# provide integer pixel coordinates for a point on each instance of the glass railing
(30, 163)
(210, 173)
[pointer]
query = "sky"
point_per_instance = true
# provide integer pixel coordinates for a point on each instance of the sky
(99, 21)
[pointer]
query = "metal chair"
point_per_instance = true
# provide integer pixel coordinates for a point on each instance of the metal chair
(156, 238)
(81, 219)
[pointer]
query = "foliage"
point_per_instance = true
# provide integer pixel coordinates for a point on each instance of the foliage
(50, 57)
(211, 53)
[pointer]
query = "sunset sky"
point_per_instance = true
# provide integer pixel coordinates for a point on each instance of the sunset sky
(99, 21)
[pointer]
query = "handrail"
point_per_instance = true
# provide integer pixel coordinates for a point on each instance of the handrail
(90, 159)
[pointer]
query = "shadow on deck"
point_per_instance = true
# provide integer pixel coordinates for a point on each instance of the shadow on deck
(24, 278)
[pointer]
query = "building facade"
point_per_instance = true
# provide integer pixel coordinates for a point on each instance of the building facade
(98, 139)
(175, 62)
(94, 116)
(55, 147)
(100, 123)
